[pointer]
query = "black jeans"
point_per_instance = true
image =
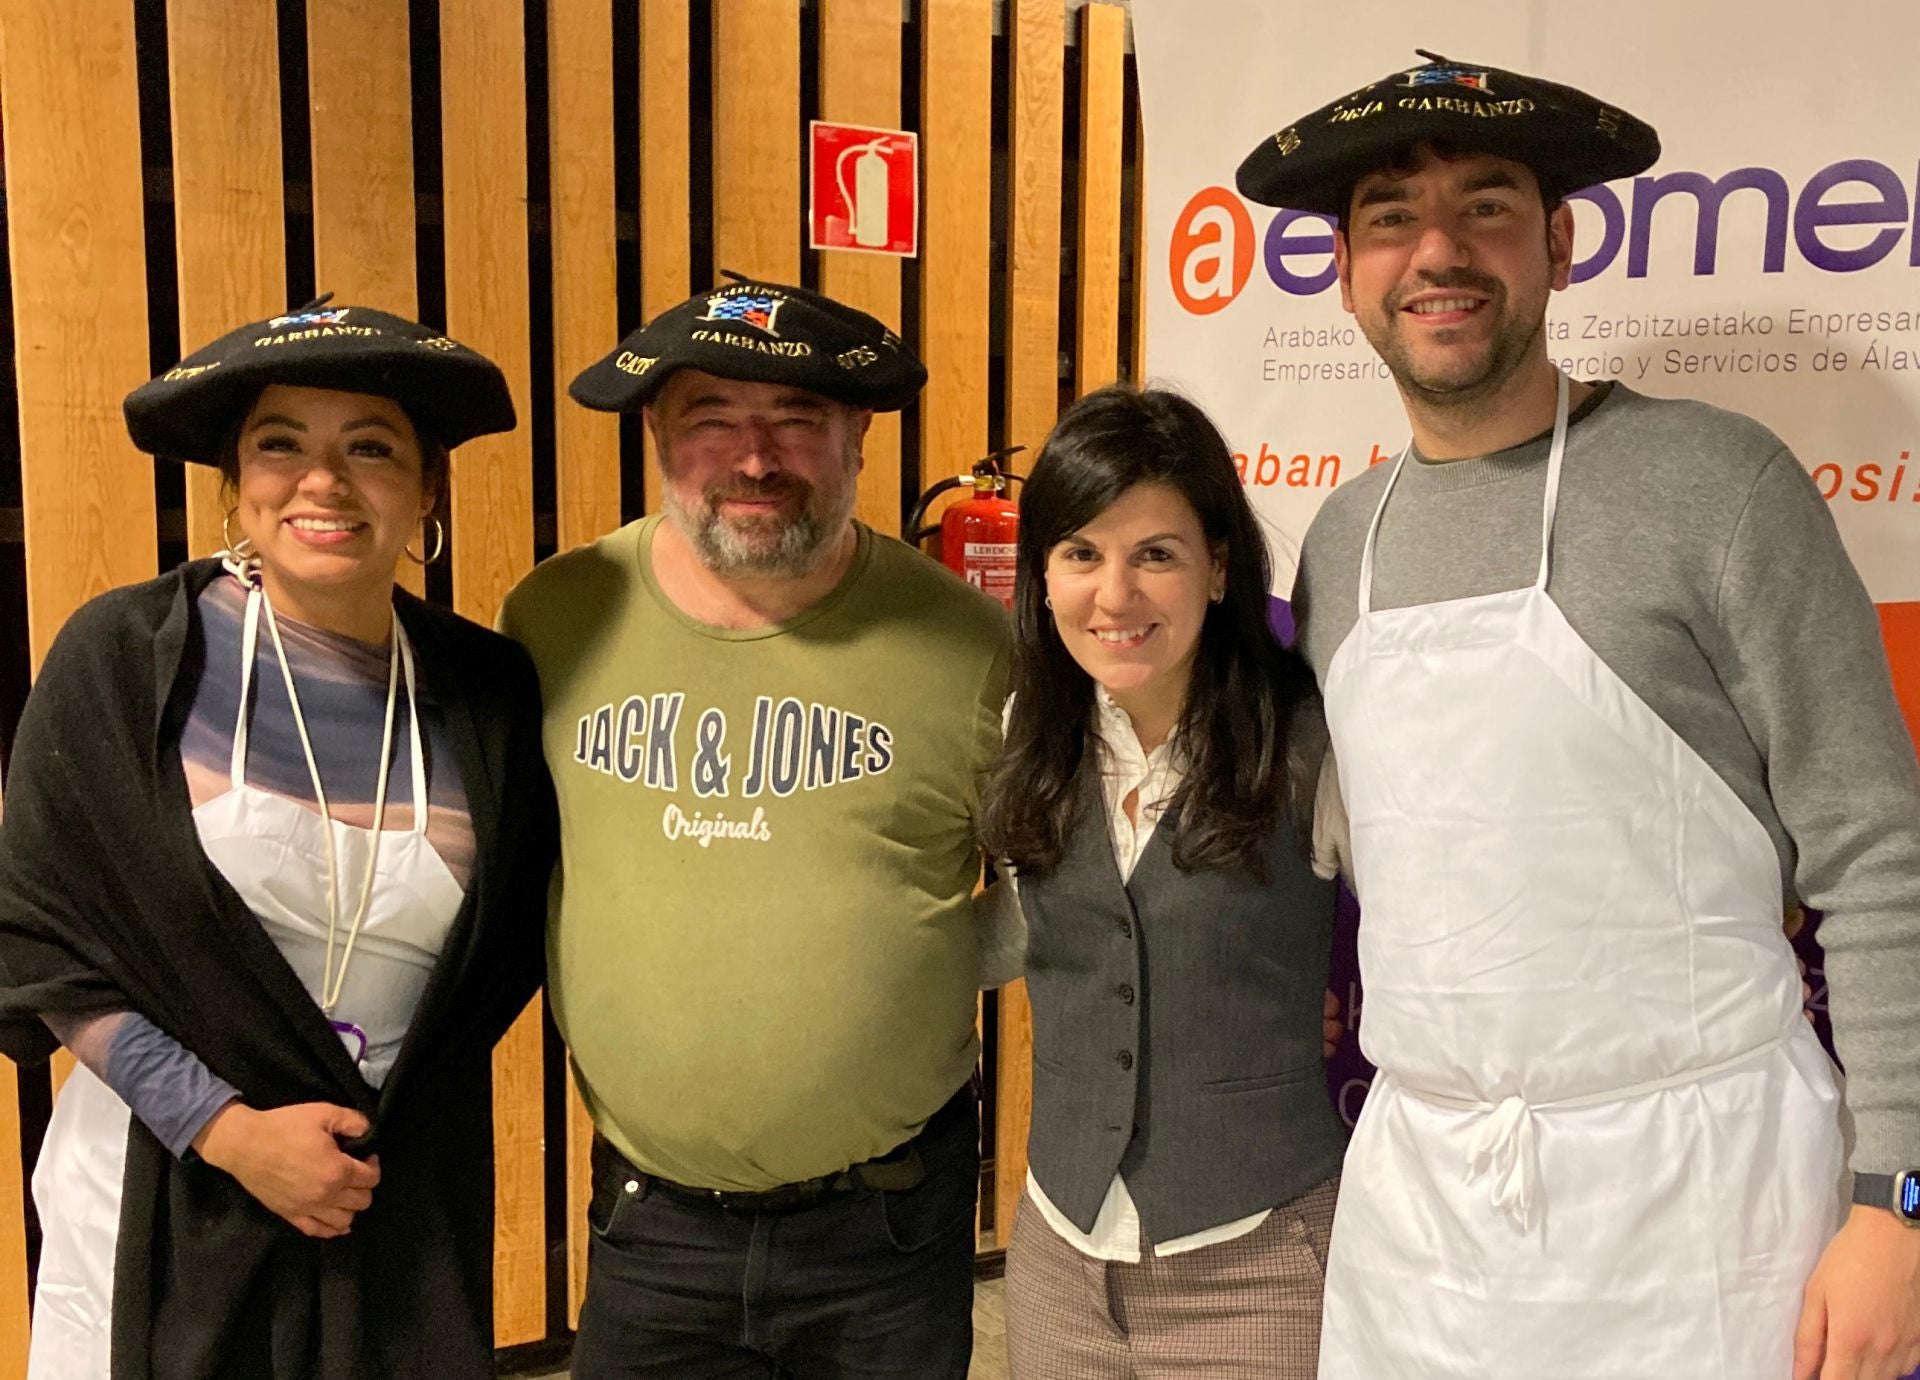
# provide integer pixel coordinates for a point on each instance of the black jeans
(865, 1285)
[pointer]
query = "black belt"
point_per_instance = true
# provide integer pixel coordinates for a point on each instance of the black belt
(899, 1169)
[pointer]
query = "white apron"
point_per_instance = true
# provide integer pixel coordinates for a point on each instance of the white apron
(76, 1189)
(272, 850)
(1603, 1142)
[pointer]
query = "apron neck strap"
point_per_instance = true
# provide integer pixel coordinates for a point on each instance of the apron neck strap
(249, 647)
(1373, 531)
(1555, 459)
(418, 758)
(403, 659)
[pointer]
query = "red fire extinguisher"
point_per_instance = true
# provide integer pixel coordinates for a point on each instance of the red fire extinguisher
(978, 533)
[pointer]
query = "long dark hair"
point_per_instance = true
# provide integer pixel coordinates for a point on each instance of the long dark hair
(1232, 731)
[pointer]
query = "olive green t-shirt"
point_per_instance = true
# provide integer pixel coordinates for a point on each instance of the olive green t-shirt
(762, 954)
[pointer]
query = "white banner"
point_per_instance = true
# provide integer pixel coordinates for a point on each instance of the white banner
(1769, 263)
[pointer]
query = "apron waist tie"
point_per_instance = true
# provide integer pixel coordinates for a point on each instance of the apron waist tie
(1504, 1149)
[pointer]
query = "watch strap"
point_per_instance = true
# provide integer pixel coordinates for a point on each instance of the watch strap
(1873, 1190)
(1897, 1193)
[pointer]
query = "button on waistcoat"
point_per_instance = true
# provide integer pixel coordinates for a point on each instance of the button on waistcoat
(1176, 1030)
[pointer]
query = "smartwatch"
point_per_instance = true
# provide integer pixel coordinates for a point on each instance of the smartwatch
(1899, 1193)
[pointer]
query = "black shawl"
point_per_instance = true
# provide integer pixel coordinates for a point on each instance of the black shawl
(106, 899)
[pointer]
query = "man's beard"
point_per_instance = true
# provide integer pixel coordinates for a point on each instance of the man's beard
(775, 546)
(1509, 346)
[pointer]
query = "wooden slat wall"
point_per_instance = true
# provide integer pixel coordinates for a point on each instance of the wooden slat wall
(1036, 31)
(1036, 108)
(666, 212)
(1103, 55)
(579, 1153)
(756, 138)
(860, 60)
(360, 106)
(68, 83)
(1139, 276)
(585, 324)
(228, 209)
(956, 154)
(586, 315)
(484, 156)
(69, 103)
(78, 260)
(484, 170)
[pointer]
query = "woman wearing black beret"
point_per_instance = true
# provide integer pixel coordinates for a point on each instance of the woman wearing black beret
(273, 867)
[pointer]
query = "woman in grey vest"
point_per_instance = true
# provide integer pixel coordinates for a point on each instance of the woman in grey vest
(1154, 798)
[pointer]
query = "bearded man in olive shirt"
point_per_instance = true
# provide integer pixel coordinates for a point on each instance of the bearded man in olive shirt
(766, 724)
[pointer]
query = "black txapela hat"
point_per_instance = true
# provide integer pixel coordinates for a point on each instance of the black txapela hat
(452, 393)
(759, 332)
(1569, 139)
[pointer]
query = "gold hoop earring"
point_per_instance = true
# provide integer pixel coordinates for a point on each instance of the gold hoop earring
(241, 550)
(439, 545)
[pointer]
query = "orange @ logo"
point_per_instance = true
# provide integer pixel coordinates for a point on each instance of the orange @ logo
(1212, 251)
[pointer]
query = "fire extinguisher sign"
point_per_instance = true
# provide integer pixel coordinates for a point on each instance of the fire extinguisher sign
(864, 189)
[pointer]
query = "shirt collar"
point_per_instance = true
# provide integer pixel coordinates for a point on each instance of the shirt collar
(1122, 744)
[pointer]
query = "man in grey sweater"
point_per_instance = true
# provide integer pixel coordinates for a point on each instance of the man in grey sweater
(1573, 773)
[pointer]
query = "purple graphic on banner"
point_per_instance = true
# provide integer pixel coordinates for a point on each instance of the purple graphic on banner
(1280, 618)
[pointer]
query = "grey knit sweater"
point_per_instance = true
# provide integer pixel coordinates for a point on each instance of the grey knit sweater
(1694, 555)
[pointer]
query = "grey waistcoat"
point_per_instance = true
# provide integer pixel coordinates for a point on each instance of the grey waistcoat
(1176, 1031)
